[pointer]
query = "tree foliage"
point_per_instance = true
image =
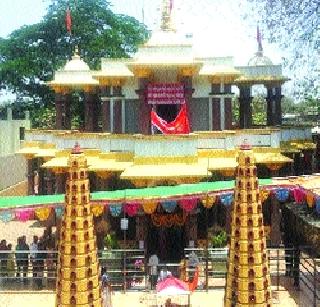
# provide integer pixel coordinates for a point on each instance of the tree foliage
(31, 54)
(295, 25)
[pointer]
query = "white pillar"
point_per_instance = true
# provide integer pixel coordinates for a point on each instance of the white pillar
(222, 107)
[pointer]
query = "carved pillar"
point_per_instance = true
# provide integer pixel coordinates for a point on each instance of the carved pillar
(30, 176)
(191, 228)
(60, 183)
(215, 114)
(49, 182)
(275, 234)
(91, 111)
(140, 228)
(144, 107)
(274, 113)
(105, 108)
(63, 111)
(188, 91)
(245, 107)
(117, 109)
(228, 107)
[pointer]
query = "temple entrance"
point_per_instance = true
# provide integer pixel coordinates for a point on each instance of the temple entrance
(167, 243)
(168, 112)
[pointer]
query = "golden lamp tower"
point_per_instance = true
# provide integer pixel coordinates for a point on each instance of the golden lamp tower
(78, 268)
(248, 278)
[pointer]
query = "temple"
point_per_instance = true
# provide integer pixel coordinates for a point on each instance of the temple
(134, 112)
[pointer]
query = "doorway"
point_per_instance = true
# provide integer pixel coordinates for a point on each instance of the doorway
(168, 112)
(167, 243)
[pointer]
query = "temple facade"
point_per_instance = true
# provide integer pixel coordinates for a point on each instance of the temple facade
(117, 100)
(122, 144)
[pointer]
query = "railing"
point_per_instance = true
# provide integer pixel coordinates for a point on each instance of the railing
(20, 270)
(309, 279)
(129, 270)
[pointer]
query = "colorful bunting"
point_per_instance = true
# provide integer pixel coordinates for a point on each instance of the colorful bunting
(97, 209)
(150, 207)
(131, 209)
(6, 216)
(226, 199)
(188, 204)
(282, 194)
(318, 204)
(310, 199)
(169, 205)
(264, 195)
(298, 195)
(209, 200)
(115, 209)
(42, 214)
(59, 211)
(24, 215)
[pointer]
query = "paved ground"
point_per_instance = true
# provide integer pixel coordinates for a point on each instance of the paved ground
(132, 299)
(13, 230)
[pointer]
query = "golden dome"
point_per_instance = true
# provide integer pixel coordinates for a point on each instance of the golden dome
(76, 74)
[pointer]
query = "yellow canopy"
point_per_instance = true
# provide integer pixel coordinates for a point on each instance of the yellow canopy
(165, 171)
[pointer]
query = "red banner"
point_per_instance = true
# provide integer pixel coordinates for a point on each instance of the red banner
(68, 20)
(165, 93)
(179, 126)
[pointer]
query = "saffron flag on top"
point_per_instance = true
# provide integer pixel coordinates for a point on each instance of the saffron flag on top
(178, 126)
(68, 20)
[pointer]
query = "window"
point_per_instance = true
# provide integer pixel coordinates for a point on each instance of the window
(22, 133)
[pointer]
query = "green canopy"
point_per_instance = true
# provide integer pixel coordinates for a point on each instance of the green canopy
(155, 192)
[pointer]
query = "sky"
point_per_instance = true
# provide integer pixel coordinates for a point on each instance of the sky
(216, 25)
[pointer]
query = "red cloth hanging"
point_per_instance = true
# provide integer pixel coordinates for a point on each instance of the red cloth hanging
(68, 20)
(179, 126)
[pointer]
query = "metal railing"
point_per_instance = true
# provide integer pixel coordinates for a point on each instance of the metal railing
(128, 269)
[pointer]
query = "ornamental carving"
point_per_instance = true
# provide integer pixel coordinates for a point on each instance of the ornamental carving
(168, 220)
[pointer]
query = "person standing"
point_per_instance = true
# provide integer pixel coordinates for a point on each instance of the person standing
(22, 257)
(33, 256)
(10, 263)
(36, 183)
(153, 264)
(3, 258)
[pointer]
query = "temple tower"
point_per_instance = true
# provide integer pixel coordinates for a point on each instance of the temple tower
(78, 269)
(248, 277)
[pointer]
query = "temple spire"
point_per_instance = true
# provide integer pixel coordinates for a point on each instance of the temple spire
(166, 16)
(259, 40)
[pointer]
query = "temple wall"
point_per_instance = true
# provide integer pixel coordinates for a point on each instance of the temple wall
(166, 147)
(132, 116)
(199, 112)
(129, 88)
(165, 76)
(202, 87)
(13, 169)
(296, 134)
(10, 134)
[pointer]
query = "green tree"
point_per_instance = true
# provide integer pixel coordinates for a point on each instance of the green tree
(31, 54)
